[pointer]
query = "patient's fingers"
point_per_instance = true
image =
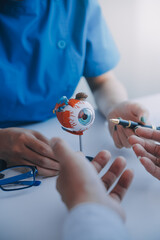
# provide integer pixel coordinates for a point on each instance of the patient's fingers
(150, 167)
(148, 133)
(141, 152)
(122, 186)
(114, 172)
(101, 160)
(149, 145)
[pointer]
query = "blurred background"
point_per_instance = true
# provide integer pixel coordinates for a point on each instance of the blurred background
(135, 26)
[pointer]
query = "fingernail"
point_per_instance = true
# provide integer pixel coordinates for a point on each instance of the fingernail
(135, 129)
(143, 119)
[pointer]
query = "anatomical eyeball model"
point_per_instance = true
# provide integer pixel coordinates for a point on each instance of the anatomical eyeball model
(75, 115)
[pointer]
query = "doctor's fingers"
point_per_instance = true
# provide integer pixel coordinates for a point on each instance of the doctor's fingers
(40, 136)
(36, 145)
(124, 133)
(150, 167)
(45, 172)
(120, 136)
(138, 112)
(116, 138)
(36, 159)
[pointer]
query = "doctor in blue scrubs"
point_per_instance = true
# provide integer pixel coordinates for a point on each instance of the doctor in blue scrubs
(46, 46)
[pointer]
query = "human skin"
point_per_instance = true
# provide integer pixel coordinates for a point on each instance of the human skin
(78, 181)
(22, 146)
(147, 149)
(112, 100)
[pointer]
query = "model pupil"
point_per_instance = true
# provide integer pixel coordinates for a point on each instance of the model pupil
(85, 116)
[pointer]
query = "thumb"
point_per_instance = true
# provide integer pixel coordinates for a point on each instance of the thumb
(62, 151)
(67, 158)
(140, 113)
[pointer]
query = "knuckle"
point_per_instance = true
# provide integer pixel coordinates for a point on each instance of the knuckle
(16, 150)
(107, 183)
(43, 150)
(22, 137)
(157, 150)
(157, 162)
(41, 161)
(130, 105)
(59, 143)
(119, 196)
(55, 165)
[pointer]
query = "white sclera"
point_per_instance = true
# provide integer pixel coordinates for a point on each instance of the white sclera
(82, 116)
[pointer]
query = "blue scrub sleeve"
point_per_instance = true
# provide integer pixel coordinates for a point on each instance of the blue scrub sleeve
(101, 52)
(90, 221)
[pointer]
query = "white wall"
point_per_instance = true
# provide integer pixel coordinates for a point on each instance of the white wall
(135, 25)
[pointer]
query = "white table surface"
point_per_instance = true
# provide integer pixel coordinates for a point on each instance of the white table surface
(38, 213)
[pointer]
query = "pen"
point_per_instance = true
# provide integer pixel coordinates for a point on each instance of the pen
(131, 124)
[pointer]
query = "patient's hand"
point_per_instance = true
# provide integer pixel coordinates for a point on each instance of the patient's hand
(78, 181)
(146, 147)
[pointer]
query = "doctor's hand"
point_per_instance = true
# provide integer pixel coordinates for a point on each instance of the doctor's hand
(128, 111)
(78, 181)
(20, 146)
(146, 146)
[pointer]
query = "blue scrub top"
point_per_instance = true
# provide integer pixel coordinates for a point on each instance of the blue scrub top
(45, 48)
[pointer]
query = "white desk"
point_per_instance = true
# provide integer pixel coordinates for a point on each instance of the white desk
(38, 213)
